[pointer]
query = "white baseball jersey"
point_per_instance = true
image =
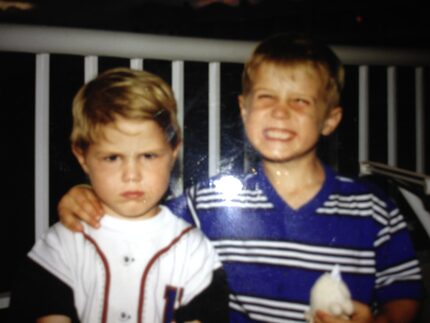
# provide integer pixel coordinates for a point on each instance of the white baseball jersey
(129, 271)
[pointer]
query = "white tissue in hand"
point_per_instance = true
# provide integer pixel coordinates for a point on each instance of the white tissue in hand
(331, 295)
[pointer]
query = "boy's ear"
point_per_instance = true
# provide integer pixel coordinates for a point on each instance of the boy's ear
(241, 100)
(80, 156)
(176, 151)
(332, 120)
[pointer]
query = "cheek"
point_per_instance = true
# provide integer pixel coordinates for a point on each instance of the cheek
(104, 182)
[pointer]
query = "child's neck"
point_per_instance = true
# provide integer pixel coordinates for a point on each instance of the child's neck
(296, 182)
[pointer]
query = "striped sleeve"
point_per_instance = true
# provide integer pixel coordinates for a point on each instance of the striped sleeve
(398, 272)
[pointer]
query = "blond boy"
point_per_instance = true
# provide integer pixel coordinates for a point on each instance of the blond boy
(145, 264)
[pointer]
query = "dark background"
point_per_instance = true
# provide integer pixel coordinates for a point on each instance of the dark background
(351, 22)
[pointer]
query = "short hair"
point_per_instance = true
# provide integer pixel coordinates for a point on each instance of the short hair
(289, 50)
(127, 93)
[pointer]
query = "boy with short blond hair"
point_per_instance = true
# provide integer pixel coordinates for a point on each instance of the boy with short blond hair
(145, 264)
(292, 218)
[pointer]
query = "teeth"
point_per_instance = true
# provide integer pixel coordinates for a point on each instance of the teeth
(278, 134)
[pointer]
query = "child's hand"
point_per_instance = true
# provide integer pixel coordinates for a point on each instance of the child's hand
(362, 314)
(80, 203)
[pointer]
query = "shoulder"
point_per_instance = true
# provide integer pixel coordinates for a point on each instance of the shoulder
(57, 235)
(360, 186)
(190, 236)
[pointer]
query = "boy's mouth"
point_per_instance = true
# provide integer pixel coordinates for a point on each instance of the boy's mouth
(132, 194)
(278, 134)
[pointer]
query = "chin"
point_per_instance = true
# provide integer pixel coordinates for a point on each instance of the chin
(277, 157)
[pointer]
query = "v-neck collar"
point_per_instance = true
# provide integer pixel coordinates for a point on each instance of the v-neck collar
(310, 206)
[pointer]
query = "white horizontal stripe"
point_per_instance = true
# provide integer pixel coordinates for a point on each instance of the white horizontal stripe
(215, 190)
(384, 231)
(205, 198)
(381, 240)
(380, 219)
(397, 219)
(398, 227)
(297, 263)
(295, 254)
(255, 312)
(381, 210)
(337, 210)
(295, 246)
(236, 306)
(398, 268)
(349, 205)
(271, 311)
(363, 197)
(398, 276)
(409, 278)
(234, 204)
(344, 179)
(270, 302)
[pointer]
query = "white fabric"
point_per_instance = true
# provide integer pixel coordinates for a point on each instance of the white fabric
(129, 249)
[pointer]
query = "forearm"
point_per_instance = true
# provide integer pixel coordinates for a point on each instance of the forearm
(398, 311)
(54, 319)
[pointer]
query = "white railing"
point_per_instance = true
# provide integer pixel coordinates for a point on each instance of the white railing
(91, 44)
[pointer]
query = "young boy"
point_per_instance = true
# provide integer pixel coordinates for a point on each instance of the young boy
(145, 264)
(278, 228)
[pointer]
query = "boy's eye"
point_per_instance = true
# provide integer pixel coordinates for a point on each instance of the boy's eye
(149, 156)
(301, 101)
(111, 158)
(264, 96)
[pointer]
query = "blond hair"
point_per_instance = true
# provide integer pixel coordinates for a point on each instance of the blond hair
(127, 93)
(288, 50)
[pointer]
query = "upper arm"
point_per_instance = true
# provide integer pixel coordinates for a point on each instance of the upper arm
(54, 319)
(211, 305)
(32, 282)
(398, 311)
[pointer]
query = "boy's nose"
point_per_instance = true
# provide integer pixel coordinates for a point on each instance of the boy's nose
(281, 110)
(132, 173)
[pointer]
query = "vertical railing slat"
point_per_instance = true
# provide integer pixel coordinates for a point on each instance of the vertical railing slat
(91, 67)
(136, 63)
(214, 118)
(178, 89)
(41, 145)
(420, 120)
(363, 113)
(392, 115)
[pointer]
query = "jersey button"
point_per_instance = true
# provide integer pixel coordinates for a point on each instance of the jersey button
(128, 260)
(124, 317)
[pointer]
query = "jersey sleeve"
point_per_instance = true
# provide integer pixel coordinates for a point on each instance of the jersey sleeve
(37, 293)
(398, 272)
(201, 263)
(56, 252)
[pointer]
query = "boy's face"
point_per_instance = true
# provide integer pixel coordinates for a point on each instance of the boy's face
(285, 113)
(129, 167)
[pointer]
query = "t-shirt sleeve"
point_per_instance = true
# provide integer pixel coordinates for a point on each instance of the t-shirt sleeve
(398, 273)
(38, 293)
(202, 262)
